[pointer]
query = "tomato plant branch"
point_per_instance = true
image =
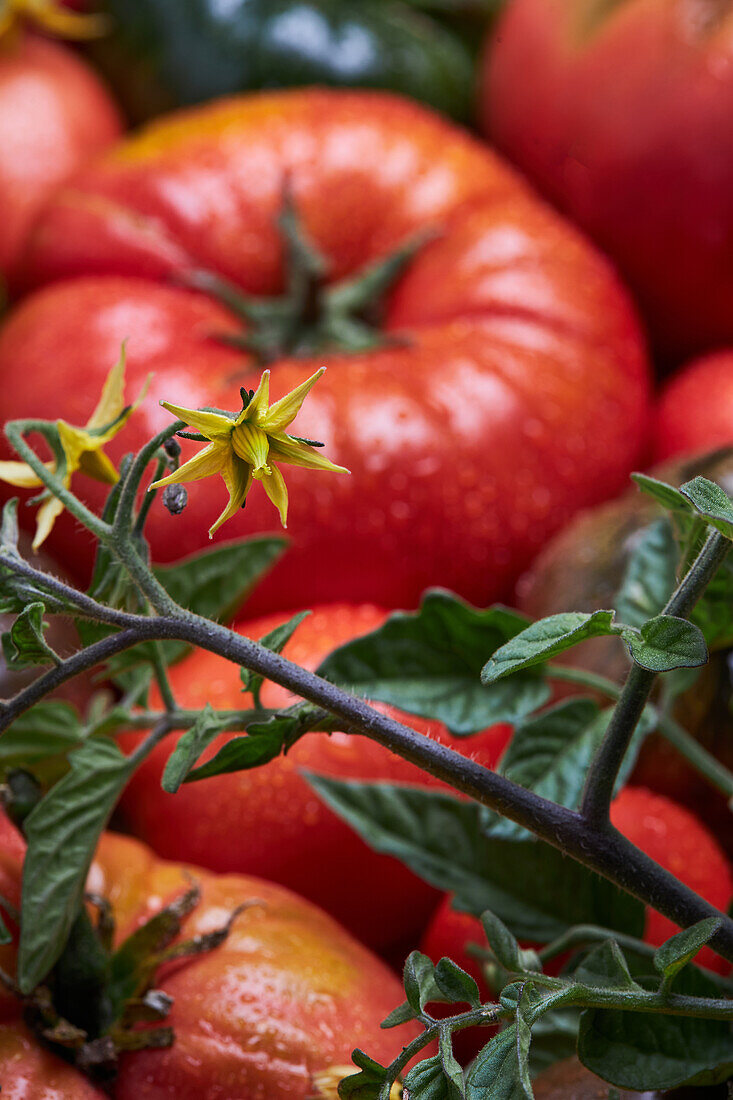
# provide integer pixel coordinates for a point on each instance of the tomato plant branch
(604, 770)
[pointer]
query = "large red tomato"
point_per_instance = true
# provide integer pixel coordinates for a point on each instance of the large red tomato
(283, 1000)
(512, 388)
(695, 410)
(54, 115)
(269, 821)
(622, 113)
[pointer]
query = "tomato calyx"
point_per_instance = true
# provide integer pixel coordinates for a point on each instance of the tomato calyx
(312, 316)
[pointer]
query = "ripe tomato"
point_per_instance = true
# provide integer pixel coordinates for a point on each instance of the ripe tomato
(268, 821)
(28, 1071)
(513, 389)
(695, 411)
(625, 123)
(54, 114)
(286, 997)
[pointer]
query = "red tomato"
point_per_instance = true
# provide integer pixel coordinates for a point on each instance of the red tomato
(625, 123)
(28, 1071)
(54, 114)
(269, 821)
(286, 997)
(516, 393)
(695, 411)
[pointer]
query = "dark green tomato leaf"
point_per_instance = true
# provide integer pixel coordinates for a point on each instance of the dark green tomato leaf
(535, 890)
(400, 1015)
(455, 984)
(666, 643)
(418, 978)
(24, 644)
(605, 967)
(275, 641)
(62, 833)
(502, 942)
(545, 639)
(48, 729)
(551, 754)
(9, 532)
(714, 612)
(651, 574)
(263, 742)
(670, 498)
(554, 1038)
(501, 1070)
(216, 583)
(451, 1068)
(189, 748)
(429, 662)
(681, 949)
(645, 1051)
(365, 1085)
(711, 502)
(428, 1080)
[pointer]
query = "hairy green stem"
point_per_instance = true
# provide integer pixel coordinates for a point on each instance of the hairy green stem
(604, 770)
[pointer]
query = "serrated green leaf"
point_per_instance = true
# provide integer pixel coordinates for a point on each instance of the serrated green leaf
(366, 1084)
(501, 1070)
(48, 729)
(190, 746)
(664, 494)
(62, 834)
(455, 984)
(263, 742)
(502, 942)
(400, 1015)
(429, 663)
(666, 643)
(681, 949)
(545, 639)
(711, 502)
(429, 1081)
(533, 888)
(645, 1051)
(418, 978)
(650, 576)
(24, 644)
(275, 641)
(605, 966)
(451, 1068)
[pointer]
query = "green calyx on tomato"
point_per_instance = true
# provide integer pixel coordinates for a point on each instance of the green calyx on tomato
(312, 316)
(170, 53)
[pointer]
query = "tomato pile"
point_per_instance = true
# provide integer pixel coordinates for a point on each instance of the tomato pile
(517, 268)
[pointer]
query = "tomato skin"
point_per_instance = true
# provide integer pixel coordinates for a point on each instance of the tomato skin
(29, 1071)
(288, 995)
(54, 115)
(529, 344)
(642, 162)
(268, 821)
(694, 410)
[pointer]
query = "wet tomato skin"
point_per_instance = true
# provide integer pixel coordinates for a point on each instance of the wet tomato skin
(509, 336)
(268, 821)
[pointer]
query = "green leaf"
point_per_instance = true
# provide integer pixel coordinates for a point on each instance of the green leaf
(711, 502)
(216, 583)
(397, 1016)
(429, 663)
(554, 1038)
(678, 951)
(190, 746)
(9, 532)
(666, 643)
(502, 942)
(664, 494)
(533, 888)
(264, 741)
(418, 978)
(651, 574)
(451, 1068)
(24, 644)
(275, 641)
(551, 754)
(48, 729)
(605, 966)
(62, 834)
(501, 1070)
(645, 1051)
(545, 639)
(455, 984)
(428, 1081)
(366, 1084)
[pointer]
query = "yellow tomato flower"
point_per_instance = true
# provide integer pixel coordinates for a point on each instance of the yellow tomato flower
(246, 447)
(82, 450)
(50, 16)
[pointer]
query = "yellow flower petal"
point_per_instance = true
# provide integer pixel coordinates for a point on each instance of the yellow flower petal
(212, 425)
(284, 411)
(21, 475)
(212, 460)
(46, 516)
(257, 407)
(55, 19)
(284, 449)
(96, 464)
(238, 480)
(252, 445)
(276, 489)
(112, 401)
